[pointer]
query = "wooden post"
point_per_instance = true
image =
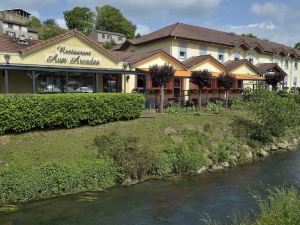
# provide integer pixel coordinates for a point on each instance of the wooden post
(6, 81)
(97, 83)
(33, 82)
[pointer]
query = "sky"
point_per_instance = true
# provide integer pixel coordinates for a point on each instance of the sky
(275, 20)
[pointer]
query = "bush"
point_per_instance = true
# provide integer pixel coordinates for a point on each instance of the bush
(24, 183)
(272, 115)
(215, 107)
(25, 112)
(132, 159)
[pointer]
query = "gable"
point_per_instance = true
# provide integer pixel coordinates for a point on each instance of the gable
(72, 52)
(158, 59)
(210, 66)
(245, 69)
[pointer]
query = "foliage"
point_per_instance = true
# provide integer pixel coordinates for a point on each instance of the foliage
(160, 76)
(109, 44)
(80, 18)
(249, 35)
(49, 29)
(272, 115)
(297, 45)
(35, 23)
(138, 35)
(215, 107)
(132, 159)
(202, 79)
(237, 103)
(25, 112)
(111, 19)
(225, 81)
(274, 79)
(176, 108)
(25, 182)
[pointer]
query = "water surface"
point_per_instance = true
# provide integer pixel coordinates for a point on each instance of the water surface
(175, 201)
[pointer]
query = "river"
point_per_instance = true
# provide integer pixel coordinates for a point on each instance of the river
(174, 201)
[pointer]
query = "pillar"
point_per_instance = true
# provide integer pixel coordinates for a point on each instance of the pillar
(97, 83)
(6, 81)
(33, 76)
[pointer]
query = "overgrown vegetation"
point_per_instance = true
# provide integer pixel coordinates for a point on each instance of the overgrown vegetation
(25, 112)
(281, 206)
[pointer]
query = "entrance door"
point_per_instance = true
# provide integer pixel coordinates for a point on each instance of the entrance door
(177, 87)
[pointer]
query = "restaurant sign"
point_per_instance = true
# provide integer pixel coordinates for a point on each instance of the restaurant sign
(71, 55)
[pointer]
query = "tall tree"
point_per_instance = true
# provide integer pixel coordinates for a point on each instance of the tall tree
(49, 29)
(35, 23)
(111, 19)
(297, 45)
(160, 76)
(202, 79)
(80, 18)
(274, 79)
(226, 81)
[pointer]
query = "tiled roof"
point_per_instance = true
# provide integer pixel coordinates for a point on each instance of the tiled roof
(193, 61)
(134, 58)
(267, 67)
(233, 64)
(10, 45)
(32, 30)
(190, 32)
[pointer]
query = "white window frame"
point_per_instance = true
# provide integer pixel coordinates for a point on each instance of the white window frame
(182, 49)
(286, 64)
(221, 55)
(236, 55)
(296, 66)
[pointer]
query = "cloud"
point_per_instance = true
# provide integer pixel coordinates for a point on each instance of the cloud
(142, 29)
(268, 25)
(61, 23)
(274, 10)
(133, 8)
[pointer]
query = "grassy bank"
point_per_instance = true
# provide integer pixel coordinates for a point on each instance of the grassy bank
(281, 206)
(44, 164)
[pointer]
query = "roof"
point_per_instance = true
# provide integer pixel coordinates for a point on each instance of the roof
(10, 45)
(205, 35)
(193, 61)
(267, 67)
(32, 30)
(109, 32)
(13, 22)
(233, 64)
(67, 34)
(17, 9)
(134, 58)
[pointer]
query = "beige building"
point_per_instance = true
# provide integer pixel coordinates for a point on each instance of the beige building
(101, 37)
(184, 41)
(14, 23)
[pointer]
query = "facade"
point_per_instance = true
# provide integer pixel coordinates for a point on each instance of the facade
(70, 62)
(184, 41)
(13, 23)
(101, 36)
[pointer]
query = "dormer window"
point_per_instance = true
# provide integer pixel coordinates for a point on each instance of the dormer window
(296, 66)
(286, 64)
(237, 55)
(182, 51)
(221, 55)
(182, 55)
(251, 57)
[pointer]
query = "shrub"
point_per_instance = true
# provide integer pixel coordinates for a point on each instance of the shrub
(132, 159)
(271, 115)
(24, 182)
(215, 107)
(25, 112)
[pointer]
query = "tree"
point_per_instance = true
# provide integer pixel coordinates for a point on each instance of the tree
(202, 79)
(160, 76)
(249, 35)
(138, 35)
(49, 29)
(226, 81)
(273, 79)
(297, 45)
(35, 23)
(111, 19)
(80, 18)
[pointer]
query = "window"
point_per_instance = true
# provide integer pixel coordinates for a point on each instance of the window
(103, 36)
(182, 50)
(276, 61)
(240, 84)
(296, 66)
(10, 25)
(120, 38)
(251, 57)
(237, 55)
(286, 64)
(203, 51)
(251, 60)
(11, 34)
(221, 55)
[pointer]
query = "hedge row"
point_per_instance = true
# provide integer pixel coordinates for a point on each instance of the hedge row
(26, 183)
(25, 112)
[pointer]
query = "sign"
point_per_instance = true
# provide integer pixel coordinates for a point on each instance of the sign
(71, 55)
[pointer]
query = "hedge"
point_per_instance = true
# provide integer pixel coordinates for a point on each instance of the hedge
(23, 183)
(20, 113)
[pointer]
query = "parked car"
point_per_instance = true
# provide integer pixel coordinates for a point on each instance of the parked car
(85, 90)
(52, 89)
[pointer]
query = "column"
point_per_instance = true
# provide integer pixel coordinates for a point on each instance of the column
(97, 83)
(33, 76)
(6, 81)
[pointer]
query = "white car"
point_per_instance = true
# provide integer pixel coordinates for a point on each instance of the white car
(52, 88)
(85, 90)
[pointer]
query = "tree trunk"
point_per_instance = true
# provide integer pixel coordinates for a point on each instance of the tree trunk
(162, 98)
(226, 98)
(199, 101)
